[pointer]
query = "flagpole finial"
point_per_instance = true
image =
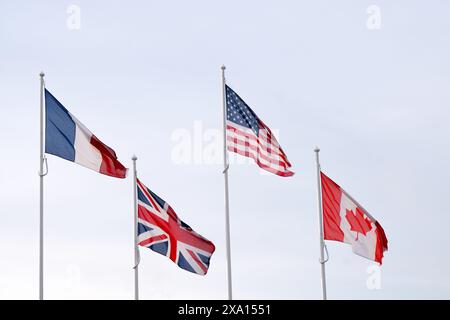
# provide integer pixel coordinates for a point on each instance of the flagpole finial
(223, 67)
(134, 158)
(42, 74)
(316, 149)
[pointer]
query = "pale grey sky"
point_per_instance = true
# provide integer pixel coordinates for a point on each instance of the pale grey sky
(375, 101)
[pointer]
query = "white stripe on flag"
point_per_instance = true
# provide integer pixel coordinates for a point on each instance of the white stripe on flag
(85, 153)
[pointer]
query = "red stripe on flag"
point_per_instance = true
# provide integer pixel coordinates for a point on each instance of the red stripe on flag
(267, 150)
(247, 154)
(152, 239)
(110, 165)
(331, 203)
(200, 264)
(247, 145)
(382, 243)
(272, 142)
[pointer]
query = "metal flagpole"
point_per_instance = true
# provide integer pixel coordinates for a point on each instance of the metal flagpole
(135, 230)
(41, 191)
(225, 172)
(322, 241)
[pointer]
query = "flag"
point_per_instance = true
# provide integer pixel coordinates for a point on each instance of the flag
(68, 138)
(347, 221)
(248, 136)
(160, 229)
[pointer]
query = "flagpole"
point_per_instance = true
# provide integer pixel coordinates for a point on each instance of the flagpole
(135, 231)
(321, 241)
(41, 191)
(225, 174)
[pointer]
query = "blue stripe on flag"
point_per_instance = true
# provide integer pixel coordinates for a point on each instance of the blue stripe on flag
(142, 197)
(160, 247)
(182, 263)
(143, 228)
(160, 201)
(204, 258)
(59, 129)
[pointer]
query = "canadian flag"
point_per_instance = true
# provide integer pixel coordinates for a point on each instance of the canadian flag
(346, 221)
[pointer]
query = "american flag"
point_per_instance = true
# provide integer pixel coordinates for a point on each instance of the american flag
(247, 135)
(160, 229)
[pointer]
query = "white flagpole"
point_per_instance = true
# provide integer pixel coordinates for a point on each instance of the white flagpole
(225, 173)
(41, 191)
(135, 231)
(322, 241)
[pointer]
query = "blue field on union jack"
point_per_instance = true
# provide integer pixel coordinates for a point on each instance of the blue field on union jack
(160, 229)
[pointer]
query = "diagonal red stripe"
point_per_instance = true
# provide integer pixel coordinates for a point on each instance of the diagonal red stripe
(196, 259)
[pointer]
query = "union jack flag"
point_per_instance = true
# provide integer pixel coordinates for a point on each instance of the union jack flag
(248, 136)
(160, 229)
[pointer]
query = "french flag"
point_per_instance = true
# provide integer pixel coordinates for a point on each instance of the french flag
(68, 138)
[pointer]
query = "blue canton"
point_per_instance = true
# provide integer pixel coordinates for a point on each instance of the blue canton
(239, 112)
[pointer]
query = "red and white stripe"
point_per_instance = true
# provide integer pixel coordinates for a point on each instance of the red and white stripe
(264, 149)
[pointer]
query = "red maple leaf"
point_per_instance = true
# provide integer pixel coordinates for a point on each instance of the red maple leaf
(358, 222)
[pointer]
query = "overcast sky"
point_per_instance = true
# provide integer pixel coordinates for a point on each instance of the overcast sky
(144, 77)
